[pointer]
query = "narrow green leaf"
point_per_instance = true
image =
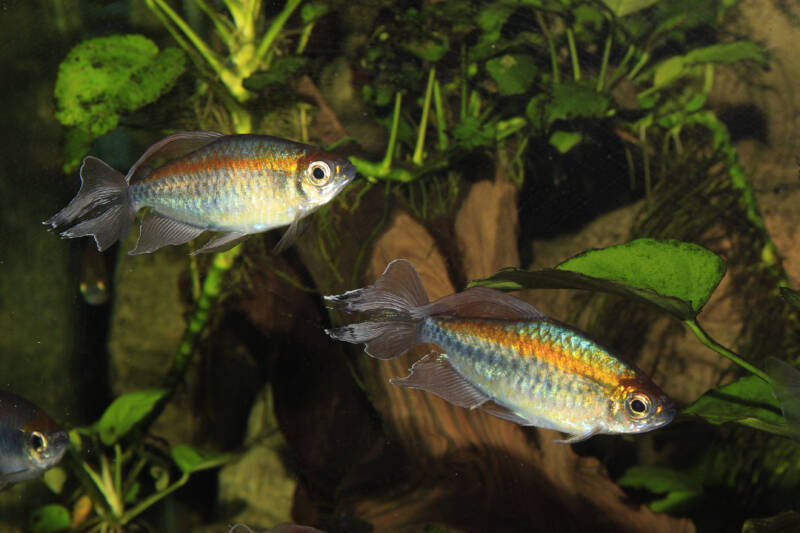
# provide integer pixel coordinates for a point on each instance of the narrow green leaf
(514, 73)
(280, 72)
(678, 277)
(785, 522)
(748, 401)
(311, 11)
(621, 8)
(125, 412)
(191, 460)
(564, 141)
(50, 519)
(791, 296)
(727, 53)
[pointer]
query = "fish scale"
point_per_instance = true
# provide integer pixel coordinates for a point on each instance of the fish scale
(503, 356)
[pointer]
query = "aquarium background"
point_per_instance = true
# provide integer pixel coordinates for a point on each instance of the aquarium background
(487, 135)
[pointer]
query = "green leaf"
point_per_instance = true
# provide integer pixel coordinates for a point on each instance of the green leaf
(77, 143)
(102, 78)
(470, 133)
(280, 72)
(785, 522)
(576, 100)
(695, 103)
(748, 401)
(514, 73)
(313, 10)
(429, 50)
(791, 296)
(678, 277)
(621, 8)
(564, 141)
(50, 519)
(680, 487)
(535, 111)
(668, 71)
(125, 412)
(727, 53)
(55, 479)
(191, 460)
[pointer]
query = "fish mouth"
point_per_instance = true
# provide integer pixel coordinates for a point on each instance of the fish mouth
(349, 172)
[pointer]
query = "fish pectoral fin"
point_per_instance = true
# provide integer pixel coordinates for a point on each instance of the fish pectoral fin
(157, 230)
(296, 228)
(221, 243)
(481, 302)
(579, 437)
(499, 411)
(433, 373)
(171, 147)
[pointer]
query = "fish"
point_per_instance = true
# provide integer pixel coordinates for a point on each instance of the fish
(30, 441)
(234, 184)
(503, 356)
(93, 283)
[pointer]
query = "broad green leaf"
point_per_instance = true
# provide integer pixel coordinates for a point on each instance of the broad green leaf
(535, 111)
(313, 10)
(695, 103)
(429, 50)
(680, 487)
(50, 519)
(785, 522)
(576, 100)
(55, 479)
(470, 133)
(791, 296)
(727, 53)
(668, 71)
(564, 141)
(678, 277)
(102, 78)
(514, 73)
(280, 72)
(493, 16)
(748, 401)
(125, 412)
(621, 8)
(191, 460)
(77, 143)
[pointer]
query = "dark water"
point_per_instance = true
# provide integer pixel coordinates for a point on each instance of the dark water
(316, 434)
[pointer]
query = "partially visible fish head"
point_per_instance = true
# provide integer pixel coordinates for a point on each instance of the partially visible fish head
(322, 175)
(45, 443)
(638, 405)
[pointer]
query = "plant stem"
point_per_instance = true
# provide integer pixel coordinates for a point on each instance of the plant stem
(153, 498)
(604, 64)
(700, 333)
(646, 160)
(198, 43)
(272, 32)
(642, 62)
(423, 122)
(386, 164)
(573, 54)
(464, 75)
(620, 70)
(553, 58)
(211, 289)
(440, 118)
(222, 25)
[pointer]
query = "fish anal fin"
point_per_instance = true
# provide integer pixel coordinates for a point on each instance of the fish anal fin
(504, 413)
(171, 147)
(433, 373)
(158, 230)
(579, 437)
(481, 302)
(222, 243)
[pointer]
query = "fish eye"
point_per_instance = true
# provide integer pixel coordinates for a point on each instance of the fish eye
(638, 405)
(319, 172)
(38, 442)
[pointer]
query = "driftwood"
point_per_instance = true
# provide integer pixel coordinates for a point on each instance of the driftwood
(467, 470)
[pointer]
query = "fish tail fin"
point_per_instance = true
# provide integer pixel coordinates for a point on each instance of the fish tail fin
(102, 202)
(395, 303)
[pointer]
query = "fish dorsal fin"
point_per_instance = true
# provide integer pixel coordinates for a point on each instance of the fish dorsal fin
(480, 302)
(171, 147)
(433, 373)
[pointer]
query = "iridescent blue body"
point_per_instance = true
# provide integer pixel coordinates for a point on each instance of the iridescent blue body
(236, 184)
(501, 355)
